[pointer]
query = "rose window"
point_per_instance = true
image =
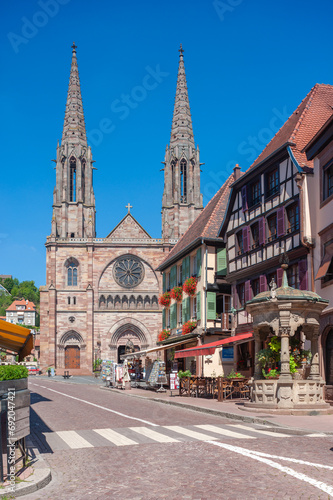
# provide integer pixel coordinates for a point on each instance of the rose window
(128, 271)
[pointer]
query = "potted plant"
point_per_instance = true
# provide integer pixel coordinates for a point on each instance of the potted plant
(165, 299)
(184, 374)
(190, 286)
(271, 373)
(177, 293)
(234, 374)
(188, 327)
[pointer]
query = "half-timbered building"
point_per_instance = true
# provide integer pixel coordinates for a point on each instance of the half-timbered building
(268, 214)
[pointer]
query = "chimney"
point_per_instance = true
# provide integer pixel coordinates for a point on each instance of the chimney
(237, 171)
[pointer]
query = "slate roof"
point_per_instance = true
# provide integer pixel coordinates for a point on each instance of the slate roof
(206, 225)
(302, 125)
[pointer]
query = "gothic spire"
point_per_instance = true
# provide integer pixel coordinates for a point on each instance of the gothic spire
(74, 131)
(181, 131)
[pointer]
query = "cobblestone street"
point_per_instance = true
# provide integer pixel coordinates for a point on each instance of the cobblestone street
(100, 444)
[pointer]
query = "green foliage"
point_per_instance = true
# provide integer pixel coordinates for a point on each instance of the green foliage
(234, 374)
(293, 364)
(271, 373)
(97, 364)
(182, 374)
(13, 372)
(25, 290)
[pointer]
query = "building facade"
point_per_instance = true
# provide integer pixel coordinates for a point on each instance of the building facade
(102, 293)
(21, 312)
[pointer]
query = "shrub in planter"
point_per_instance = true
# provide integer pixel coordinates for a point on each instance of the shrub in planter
(163, 335)
(177, 293)
(165, 299)
(182, 374)
(271, 373)
(13, 372)
(190, 286)
(188, 327)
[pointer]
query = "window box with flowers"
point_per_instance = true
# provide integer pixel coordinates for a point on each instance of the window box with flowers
(165, 334)
(190, 286)
(188, 327)
(177, 293)
(165, 299)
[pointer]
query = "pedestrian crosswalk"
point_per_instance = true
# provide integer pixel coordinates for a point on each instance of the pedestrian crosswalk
(131, 436)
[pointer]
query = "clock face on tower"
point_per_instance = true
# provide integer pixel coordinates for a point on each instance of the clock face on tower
(128, 271)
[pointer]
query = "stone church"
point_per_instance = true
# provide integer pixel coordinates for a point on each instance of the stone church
(102, 293)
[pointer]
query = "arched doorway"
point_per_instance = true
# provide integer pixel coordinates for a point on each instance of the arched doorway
(329, 358)
(69, 354)
(125, 335)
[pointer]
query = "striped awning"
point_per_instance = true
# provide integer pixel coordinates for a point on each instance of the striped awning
(16, 339)
(205, 349)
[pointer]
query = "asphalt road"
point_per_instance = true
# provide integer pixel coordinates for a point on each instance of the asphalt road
(105, 445)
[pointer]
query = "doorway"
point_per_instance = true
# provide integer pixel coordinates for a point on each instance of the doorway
(72, 357)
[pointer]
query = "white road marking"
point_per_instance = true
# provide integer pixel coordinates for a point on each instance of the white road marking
(316, 435)
(115, 437)
(156, 436)
(224, 432)
(302, 477)
(187, 432)
(267, 433)
(294, 460)
(98, 406)
(74, 440)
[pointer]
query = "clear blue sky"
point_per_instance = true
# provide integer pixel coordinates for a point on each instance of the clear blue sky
(248, 65)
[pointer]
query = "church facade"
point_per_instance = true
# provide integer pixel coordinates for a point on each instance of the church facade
(102, 293)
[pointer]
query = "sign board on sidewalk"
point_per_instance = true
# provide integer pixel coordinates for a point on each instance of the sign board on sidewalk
(174, 381)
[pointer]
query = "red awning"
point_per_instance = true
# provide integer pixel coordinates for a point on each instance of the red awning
(325, 264)
(205, 349)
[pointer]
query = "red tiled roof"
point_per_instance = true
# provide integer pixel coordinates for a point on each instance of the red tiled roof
(302, 125)
(207, 224)
(29, 306)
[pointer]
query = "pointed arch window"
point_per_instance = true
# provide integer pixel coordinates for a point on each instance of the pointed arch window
(183, 181)
(83, 178)
(173, 170)
(72, 179)
(72, 271)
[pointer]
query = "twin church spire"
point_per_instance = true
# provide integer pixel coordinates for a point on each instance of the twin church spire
(73, 197)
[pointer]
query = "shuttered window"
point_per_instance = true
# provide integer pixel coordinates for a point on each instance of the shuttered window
(262, 231)
(173, 316)
(173, 276)
(199, 305)
(198, 262)
(221, 261)
(163, 319)
(164, 283)
(186, 268)
(186, 309)
(244, 198)
(303, 274)
(280, 222)
(211, 305)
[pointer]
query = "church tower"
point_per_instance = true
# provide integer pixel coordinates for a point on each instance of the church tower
(182, 200)
(73, 196)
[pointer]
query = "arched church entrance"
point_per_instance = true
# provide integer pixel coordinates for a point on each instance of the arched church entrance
(329, 358)
(69, 353)
(127, 338)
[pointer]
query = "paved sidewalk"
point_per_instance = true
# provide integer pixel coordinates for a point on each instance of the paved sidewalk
(234, 409)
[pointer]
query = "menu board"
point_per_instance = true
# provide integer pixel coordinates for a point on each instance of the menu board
(174, 381)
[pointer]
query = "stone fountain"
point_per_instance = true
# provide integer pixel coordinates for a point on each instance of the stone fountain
(283, 312)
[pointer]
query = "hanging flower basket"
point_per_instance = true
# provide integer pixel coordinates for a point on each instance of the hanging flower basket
(177, 293)
(165, 299)
(188, 327)
(163, 335)
(190, 286)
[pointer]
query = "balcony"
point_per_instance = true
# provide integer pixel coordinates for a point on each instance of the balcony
(223, 321)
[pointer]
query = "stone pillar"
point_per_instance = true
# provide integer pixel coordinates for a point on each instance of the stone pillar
(285, 356)
(314, 369)
(257, 369)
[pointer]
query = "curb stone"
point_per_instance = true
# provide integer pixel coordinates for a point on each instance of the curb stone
(40, 477)
(274, 426)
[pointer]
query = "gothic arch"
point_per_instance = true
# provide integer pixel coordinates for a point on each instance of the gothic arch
(71, 337)
(102, 302)
(109, 302)
(129, 325)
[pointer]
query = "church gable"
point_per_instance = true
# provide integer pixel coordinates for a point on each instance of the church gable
(127, 228)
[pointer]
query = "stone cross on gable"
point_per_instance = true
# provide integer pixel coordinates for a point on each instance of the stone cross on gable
(129, 206)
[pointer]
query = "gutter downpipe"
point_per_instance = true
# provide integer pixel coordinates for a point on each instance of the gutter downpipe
(304, 239)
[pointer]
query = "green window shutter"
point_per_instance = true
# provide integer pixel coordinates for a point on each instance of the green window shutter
(211, 305)
(173, 276)
(164, 282)
(188, 262)
(221, 261)
(199, 305)
(163, 319)
(173, 316)
(187, 309)
(199, 262)
(183, 270)
(183, 311)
